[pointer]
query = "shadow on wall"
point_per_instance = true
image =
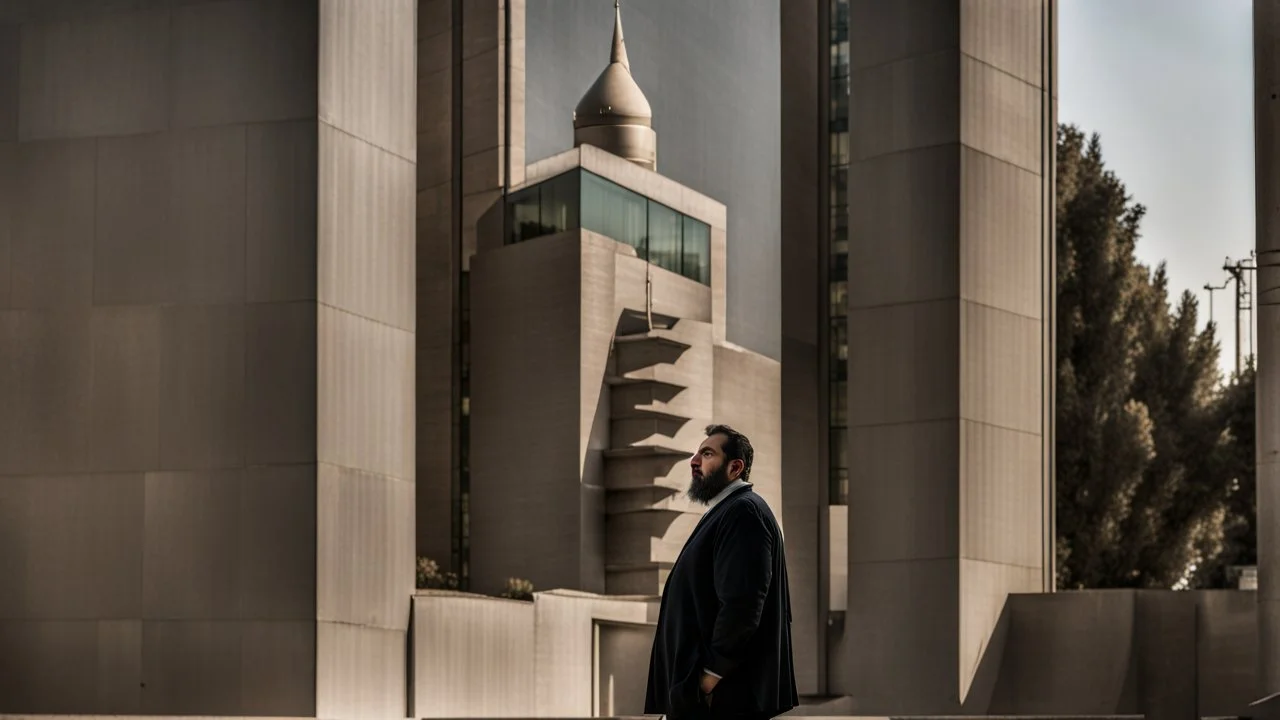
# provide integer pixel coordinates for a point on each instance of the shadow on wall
(1120, 652)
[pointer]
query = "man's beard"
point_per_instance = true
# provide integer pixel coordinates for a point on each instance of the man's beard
(704, 487)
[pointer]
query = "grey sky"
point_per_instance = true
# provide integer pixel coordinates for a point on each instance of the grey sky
(1168, 84)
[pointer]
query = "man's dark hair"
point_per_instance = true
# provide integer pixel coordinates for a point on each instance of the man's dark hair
(736, 447)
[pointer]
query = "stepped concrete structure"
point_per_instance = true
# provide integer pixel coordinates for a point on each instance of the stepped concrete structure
(598, 356)
(292, 291)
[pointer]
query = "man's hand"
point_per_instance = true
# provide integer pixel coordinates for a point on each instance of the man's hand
(709, 683)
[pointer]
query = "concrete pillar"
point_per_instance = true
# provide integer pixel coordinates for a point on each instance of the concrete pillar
(804, 376)
(950, 371)
(1266, 80)
(206, 325)
(470, 74)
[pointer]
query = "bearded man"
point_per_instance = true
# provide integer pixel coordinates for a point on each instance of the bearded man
(722, 648)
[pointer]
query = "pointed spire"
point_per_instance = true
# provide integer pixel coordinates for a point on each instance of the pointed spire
(619, 54)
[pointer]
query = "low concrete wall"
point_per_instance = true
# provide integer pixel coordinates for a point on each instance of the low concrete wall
(1121, 652)
(472, 656)
(566, 654)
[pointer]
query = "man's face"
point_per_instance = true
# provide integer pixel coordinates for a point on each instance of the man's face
(711, 471)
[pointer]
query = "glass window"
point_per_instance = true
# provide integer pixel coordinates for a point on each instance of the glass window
(839, 267)
(839, 447)
(839, 404)
(665, 229)
(697, 251)
(839, 299)
(839, 487)
(559, 203)
(839, 20)
(614, 212)
(523, 215)
(839, 340)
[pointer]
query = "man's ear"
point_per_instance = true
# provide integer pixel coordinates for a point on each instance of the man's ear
(735, 469)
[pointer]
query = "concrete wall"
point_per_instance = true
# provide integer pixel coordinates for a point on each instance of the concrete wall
(712, 78)
(467, 148)
(209, 395)
(1266, 80)
(472, 656)
(1156, 653)
(804, 379)
(622, 667)
(748, 396)
(563, 655)
(438, 222)
(158, 319)
(527, 509)
(365, 347)
(565, 659)
(947, 356)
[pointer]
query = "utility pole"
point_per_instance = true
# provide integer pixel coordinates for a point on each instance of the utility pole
(1244, 298)
(1212, 289)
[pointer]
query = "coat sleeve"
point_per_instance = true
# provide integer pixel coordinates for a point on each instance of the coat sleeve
(743, 570)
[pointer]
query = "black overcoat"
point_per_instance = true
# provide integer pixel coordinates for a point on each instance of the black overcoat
(726, 607)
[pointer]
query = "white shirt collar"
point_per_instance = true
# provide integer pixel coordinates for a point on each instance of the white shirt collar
(728, 490)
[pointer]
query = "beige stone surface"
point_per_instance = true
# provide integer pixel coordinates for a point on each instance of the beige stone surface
(202, 386)
(238, 62)
(126, 399)
(526, 355)
(903, 615)
(59, 517)
(837, 560)
(1006, 36)
(1001, 365)
(985, 588)
(1000, 223)
(8, 198)
(563, 660)
(365, 230)
(360, 671)
(1227, 646)
(999, 518)
(748, 396)
(1000, 114)
(368, 72)
(921, 187)
(159, 218)
(437, 283)
(621, 674)
(280, 383)
(812, 545)
(95, 76)
(364, 545)
(365, 396)
(1266, 34)
(903, 500)
(51, 250)
(473, 656)
(950, 390)
(281, 211)
(907, 104)
(889, 32)
(903, 363)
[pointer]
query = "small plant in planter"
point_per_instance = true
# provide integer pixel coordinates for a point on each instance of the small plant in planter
(429, 576)
(518, 589)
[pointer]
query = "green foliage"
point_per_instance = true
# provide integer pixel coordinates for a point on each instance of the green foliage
(518, 589)
(430, 577)
(1152, 452)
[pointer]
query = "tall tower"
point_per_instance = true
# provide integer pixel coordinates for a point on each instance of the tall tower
(614, 114)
